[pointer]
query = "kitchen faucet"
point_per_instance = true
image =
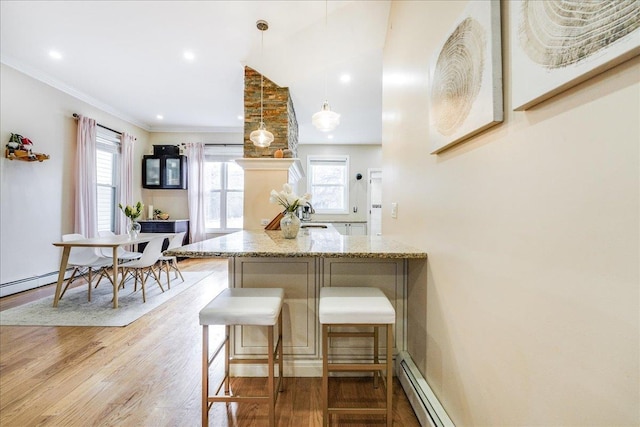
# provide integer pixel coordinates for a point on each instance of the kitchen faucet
(312, 209)
(306, 211)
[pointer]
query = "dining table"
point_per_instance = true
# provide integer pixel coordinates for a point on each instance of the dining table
(112, 242)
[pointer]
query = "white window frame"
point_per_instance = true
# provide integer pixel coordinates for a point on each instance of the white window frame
(225, 154)
(324, 159)
(109, 141)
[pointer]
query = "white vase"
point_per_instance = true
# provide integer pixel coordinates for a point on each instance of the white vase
(290, 225)
(134, 229)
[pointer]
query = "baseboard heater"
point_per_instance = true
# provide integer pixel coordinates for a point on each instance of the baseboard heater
(33, 282)
(424, 402)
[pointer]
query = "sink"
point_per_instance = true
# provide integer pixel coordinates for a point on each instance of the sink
(313, 226)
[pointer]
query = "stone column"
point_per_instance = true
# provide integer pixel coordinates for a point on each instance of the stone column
(279, 116)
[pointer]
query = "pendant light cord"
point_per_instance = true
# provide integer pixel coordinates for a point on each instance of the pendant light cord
(261, 75)
(326, 56)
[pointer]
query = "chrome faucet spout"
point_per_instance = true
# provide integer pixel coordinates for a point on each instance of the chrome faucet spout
(311, 207)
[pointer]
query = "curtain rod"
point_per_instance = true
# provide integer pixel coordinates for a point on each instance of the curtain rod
(77, 116)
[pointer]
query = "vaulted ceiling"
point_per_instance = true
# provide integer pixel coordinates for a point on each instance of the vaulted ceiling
(128, 58)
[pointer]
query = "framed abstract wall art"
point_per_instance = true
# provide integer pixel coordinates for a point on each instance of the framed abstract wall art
(465, 77)
(556, 44)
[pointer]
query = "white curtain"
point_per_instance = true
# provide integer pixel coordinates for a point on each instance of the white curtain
(195, 192)
(126, 178)
(86, 210)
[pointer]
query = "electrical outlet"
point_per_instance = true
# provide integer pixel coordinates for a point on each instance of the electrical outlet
(394, 210)
(264, 221)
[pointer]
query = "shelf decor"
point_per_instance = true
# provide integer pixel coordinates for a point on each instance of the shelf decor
(21, 148)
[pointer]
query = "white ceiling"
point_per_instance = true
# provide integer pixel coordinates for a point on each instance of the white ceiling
(126, 57)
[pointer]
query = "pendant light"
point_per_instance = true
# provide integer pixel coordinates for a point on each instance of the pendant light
(261, 137)
(325, 120)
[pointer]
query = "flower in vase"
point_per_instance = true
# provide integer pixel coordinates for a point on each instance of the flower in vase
(132, 212)
(288, 199)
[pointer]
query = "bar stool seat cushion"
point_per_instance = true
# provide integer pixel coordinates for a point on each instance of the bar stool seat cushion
(244, 306)
(355, 305)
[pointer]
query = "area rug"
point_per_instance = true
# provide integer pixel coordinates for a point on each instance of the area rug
(74, 309)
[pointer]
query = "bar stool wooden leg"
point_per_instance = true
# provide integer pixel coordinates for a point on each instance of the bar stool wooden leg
(205, 375)
(325, 375)
(280, 351)
(389, 375)
(227, 374)
(271, 385)
(376, 358)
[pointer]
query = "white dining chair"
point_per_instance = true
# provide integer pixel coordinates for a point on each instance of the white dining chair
(143, 267)
(86, 258)
(171, 262)
(123, 255)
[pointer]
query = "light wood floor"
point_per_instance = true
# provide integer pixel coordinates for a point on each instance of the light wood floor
(147, 373)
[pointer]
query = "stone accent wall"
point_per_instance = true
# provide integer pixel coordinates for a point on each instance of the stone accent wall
(279, 115)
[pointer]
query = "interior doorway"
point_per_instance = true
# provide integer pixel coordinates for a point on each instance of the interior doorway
(374, 202)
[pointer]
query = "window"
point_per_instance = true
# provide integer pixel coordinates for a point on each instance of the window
(224, 189)
(107, 161)
(328, 183)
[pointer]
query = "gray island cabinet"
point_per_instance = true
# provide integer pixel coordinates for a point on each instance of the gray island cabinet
(316, 258)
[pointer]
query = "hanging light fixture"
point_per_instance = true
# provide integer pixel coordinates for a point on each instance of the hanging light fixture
(325, 120)
(261, 137)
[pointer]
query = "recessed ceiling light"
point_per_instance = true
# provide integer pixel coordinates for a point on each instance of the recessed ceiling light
(329, 136)
(189, 56)
(159, 117)
(240, 117)
(345, 78)
(55, 54)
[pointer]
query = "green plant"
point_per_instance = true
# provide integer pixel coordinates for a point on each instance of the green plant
(132, 212)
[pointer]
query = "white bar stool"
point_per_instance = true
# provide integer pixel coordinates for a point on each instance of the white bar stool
(349, 306)
(242, 306)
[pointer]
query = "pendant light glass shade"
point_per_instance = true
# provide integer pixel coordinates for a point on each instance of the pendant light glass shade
(326, 120)
(261, 137)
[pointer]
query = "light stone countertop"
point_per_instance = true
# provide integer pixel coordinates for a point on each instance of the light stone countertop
(311, 242)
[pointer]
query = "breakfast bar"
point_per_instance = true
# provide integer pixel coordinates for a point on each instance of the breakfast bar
(318, 257)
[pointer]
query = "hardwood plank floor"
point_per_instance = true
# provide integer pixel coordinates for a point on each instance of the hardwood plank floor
(148, 373)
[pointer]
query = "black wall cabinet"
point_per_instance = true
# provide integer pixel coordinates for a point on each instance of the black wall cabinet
(164, 172)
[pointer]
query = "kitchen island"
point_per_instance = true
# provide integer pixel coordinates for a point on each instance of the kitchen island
(317, 257)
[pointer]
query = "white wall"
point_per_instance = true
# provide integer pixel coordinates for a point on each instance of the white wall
(532, 229)
(361, 158)
(38, 198)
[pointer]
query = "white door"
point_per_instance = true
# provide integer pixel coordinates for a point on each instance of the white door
(374, 202)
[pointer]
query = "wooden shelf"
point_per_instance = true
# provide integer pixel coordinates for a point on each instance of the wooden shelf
(23, 156)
